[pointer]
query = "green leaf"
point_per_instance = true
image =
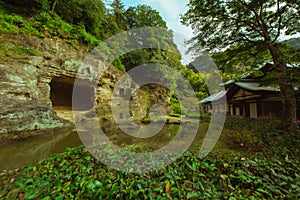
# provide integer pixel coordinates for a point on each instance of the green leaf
(46, 198)
(243, 177)
(19, 184)
(193, 195)
(33, 196)
(192, 167)
(30, 180)
(262, 191)
(61, 197)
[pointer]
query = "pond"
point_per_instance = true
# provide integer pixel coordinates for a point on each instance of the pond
(31, 151)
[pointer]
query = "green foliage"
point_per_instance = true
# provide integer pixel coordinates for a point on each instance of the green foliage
(291, 49)
(136, 58)
(236, 60)
(75, 174)
(20, 50)
(45, 24)
(158, 45)
(52, 25)
(12, 23)
(87, 37)
(294, 42)
(196, 81)
(30, 4)
(176, 107)
(119, 65)
(221, 24)
(88, 22)
(264, 135)
(88, 12)
(248, 29)
(118, 14)
(142, 15)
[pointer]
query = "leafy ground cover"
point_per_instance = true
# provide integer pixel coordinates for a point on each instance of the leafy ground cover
(75, 174)
(257, 170)
(264, 137)
(44, 24)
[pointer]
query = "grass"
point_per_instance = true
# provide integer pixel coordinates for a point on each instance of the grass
(229, 172)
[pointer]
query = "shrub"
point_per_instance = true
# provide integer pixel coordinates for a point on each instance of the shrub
(16, 24)
(175, 106)
(53, 24)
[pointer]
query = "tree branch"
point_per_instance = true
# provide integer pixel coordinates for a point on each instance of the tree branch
(279, 22)
(258, 19)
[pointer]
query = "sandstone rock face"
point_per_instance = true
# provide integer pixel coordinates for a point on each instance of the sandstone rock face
(22, 105)
(34, 84)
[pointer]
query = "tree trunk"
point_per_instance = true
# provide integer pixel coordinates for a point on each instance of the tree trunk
(288, 99)
(53, 6)
(286, 89)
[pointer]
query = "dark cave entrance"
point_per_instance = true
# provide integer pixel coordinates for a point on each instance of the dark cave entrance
(62, 90)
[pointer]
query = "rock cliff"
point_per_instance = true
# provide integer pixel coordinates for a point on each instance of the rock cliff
(37, 77)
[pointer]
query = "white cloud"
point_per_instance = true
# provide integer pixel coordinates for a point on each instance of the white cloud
(180, 40)
(181, 34)
(179, 28)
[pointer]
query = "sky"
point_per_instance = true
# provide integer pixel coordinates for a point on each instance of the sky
(170, 11)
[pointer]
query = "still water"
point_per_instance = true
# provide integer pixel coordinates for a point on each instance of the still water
(31, 151)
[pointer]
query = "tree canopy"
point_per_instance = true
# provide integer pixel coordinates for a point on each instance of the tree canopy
(241, 22)
(250, 28)
(143, 15)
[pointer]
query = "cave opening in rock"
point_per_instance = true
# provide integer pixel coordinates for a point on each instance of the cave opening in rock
(62, 90)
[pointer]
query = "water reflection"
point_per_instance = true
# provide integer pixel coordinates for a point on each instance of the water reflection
(20, 154)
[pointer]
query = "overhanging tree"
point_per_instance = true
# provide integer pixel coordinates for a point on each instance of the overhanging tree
(248, 24)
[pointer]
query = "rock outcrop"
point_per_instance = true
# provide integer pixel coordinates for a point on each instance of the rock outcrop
(23, 106)
(37, 76)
